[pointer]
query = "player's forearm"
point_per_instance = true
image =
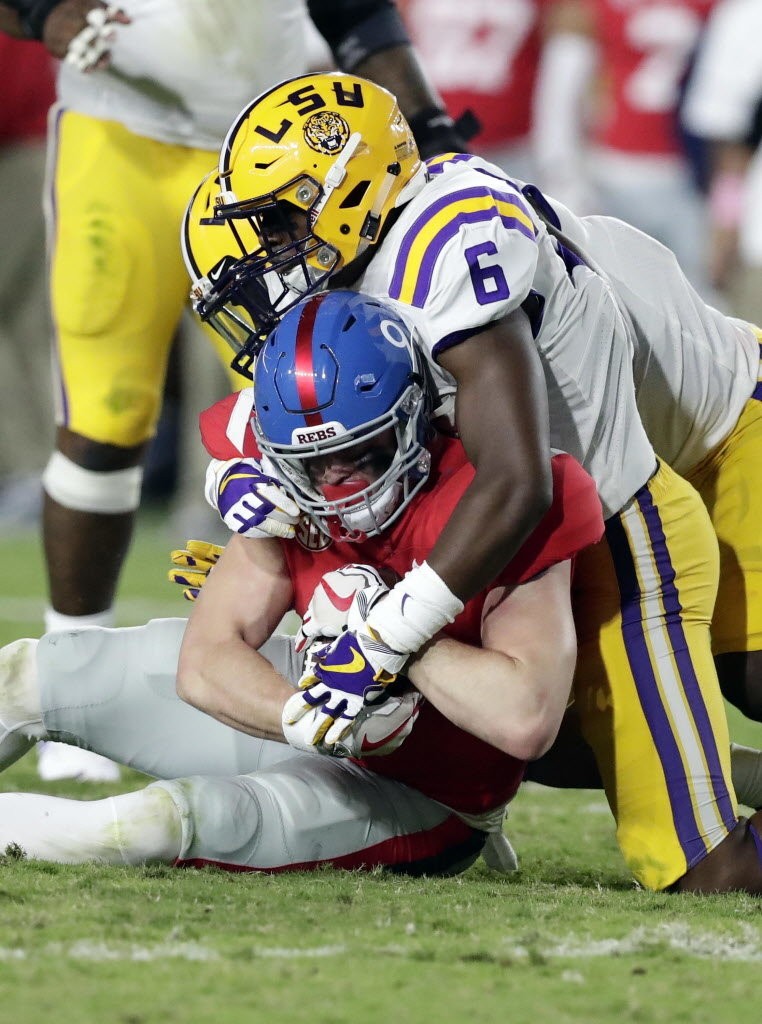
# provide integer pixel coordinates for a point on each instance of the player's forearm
(502, 417)
(237, 686)
(502, 700)
(487, 529)
(220, 670)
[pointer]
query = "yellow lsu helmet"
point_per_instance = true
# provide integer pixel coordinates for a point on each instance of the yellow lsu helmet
(223, 294)
(316, 165)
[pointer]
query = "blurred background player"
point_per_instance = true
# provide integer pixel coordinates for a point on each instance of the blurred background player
(146, 92)
(723, 105)
(606, 130)
(483, 57)
(27, 90)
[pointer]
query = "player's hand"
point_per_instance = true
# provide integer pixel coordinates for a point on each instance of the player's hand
(342, 685)
(194, 563)
(376, 730)
(250, 501)
(326, 614)
(82, 32)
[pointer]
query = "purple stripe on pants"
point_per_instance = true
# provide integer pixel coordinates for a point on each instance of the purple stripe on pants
(679, 645)
(683, 814)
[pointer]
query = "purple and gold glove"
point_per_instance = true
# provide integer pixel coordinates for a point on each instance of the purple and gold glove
(194, 563)
(250, 501)
(335, 695)
(343, 724)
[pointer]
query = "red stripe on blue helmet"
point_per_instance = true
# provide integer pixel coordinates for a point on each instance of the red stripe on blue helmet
(304, 366)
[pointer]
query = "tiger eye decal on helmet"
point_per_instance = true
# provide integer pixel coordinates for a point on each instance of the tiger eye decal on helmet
(326, 132)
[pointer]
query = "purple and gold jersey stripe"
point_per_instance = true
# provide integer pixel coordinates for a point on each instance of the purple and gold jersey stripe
(757, 392)
(436, 164)
(668, 690)
(424, 241)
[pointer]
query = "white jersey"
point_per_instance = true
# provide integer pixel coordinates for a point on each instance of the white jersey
(722, 98)
(468, 249)
(694, 367)
(183, 69)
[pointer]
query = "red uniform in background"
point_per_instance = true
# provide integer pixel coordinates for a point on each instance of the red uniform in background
(483, 56)
(645, 50)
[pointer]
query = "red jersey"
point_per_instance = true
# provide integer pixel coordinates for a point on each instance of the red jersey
(481, 56)
(439, 759)
(27, 89)
(645, 48)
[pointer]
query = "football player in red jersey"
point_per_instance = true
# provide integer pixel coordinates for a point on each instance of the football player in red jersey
(607, 129)
(377, 482)
(484, 58)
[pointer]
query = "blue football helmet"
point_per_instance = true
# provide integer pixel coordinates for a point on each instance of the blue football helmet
(342, 368)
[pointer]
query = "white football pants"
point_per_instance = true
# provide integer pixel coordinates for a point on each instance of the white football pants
(246, 803)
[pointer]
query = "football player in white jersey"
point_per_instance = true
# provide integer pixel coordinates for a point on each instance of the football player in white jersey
(699, 392)
(531, 341)
(128, 141)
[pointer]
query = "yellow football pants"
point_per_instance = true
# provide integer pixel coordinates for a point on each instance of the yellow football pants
(118, 284)
(646, 688)
(729, 480)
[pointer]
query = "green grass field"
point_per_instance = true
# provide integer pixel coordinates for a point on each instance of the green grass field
(569, 938)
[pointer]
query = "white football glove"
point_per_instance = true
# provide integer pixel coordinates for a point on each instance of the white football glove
(392, 626)
(91, 47)
(330, 604)
(376, 730)
(250, 500)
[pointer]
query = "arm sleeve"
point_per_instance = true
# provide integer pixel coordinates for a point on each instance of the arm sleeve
(356, 29)
(225, 427)
(468, 259)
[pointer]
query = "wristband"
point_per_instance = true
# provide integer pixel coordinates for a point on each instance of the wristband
(414, 610)
(33, 15)
(351, 45)
(436, 132)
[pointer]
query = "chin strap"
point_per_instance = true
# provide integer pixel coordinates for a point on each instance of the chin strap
(337, 171)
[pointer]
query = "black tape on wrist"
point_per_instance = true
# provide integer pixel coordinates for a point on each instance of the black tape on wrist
(33, 14)
(436, 132)
(380, 31)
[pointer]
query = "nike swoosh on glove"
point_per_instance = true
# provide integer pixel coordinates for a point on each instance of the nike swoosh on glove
(377, 729)
(249, 500)
(339, 685)
(326, 614)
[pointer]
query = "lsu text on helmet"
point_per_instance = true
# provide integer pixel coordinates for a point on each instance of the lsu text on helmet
(317, 164)
(223, 294)
(340, 370)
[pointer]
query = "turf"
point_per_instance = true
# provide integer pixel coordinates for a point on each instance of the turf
(569, 938)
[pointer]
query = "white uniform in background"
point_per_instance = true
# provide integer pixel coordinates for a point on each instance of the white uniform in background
(182, 69)
(127, 147)
(723, 95)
